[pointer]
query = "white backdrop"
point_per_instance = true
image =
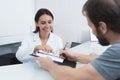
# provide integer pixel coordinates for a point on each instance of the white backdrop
(16, 20)
(69, 21)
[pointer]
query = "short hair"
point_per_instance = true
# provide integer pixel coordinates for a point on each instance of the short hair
(107, 11)
(39, 13)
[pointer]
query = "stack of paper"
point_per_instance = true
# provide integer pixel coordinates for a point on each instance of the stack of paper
(53, 56)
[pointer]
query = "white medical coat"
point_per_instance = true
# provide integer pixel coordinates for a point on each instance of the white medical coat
(28, 44)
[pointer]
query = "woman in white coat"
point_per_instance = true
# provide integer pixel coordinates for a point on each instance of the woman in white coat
(42, 38)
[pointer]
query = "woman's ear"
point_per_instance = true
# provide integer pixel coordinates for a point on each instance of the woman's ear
(103, 27)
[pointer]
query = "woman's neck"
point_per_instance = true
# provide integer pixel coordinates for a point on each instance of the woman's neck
(44, 38)
(44, 35)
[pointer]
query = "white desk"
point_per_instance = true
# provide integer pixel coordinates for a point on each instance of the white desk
(88, 47)
(26, 71)
(31, 71)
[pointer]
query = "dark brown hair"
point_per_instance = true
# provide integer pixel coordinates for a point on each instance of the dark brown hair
(39, 13)
(107, 11)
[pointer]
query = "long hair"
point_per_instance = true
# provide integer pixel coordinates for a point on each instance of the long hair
(39, 13)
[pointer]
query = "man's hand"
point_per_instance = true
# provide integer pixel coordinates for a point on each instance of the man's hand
(67, 54)
(45, 62)
(93, 56)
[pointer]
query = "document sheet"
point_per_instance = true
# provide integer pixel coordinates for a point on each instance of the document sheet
(54, 56)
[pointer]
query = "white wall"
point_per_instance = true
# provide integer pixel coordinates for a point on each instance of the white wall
(69, 22)
(16, 20)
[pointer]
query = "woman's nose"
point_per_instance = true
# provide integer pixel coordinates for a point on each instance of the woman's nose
(47, 25)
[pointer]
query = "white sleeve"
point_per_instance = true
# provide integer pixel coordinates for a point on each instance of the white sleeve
(24, 51)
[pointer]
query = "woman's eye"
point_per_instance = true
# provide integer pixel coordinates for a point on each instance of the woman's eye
(42, 22)
(50, 22)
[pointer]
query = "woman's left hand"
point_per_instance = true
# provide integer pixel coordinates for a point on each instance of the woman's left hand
(47, 49)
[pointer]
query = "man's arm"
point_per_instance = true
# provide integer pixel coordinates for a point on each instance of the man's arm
(86, 58)
(87, 72)
(78, 57)
(67, 73)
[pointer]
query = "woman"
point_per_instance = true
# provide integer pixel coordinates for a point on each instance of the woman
(41, 39)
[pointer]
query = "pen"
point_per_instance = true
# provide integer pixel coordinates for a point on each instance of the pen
(64, 49)
(34, 55)
(65, 46)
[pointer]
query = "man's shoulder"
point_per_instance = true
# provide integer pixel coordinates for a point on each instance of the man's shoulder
(108, 64)
(114, 49)
(116, 45)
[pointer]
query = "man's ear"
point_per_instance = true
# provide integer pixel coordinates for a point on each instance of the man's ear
(103, 27)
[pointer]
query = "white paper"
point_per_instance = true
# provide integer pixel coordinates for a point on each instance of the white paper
(53, 56)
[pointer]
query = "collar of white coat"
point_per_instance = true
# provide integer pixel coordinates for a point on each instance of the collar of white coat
(37, 38)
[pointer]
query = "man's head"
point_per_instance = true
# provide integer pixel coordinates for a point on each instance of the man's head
(105, 17)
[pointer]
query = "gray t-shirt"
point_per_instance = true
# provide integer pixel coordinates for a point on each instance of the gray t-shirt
(108, 64)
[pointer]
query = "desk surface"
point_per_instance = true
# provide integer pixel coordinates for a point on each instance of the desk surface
(88, 47)
(26, 71)
(31, 71)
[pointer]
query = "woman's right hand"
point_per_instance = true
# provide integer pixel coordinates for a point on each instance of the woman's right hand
(45, 48)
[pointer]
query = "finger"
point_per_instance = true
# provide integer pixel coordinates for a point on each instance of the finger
(61, 51)
(63, 56)
(38, 58)
(45, 49)
(50, 51)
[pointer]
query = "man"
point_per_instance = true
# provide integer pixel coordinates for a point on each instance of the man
(103, 17)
